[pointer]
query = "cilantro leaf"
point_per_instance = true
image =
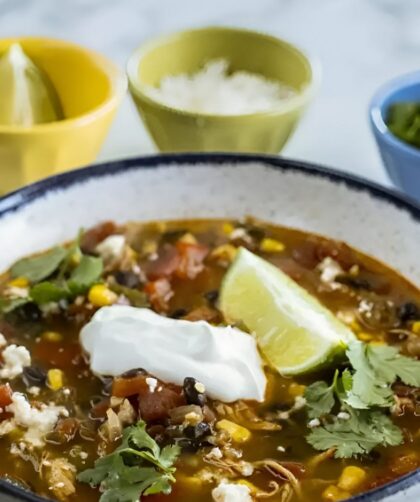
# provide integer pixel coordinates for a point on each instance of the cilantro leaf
(9, 304)
(367, 389)
(37, 268)
(45, 292)
(358, 435)
(319, 399)
(137, 467)
(85, 274)
(389, 365)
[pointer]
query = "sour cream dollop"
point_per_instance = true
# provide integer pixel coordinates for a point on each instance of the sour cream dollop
(224, 359)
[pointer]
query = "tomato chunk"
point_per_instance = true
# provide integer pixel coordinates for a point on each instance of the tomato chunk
(165, 265)
(5, 395)
(97, 234)
(159, 292)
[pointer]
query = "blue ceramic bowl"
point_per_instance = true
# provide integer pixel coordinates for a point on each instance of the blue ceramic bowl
(402, 161)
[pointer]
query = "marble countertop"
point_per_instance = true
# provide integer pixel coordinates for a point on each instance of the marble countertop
(359, 43)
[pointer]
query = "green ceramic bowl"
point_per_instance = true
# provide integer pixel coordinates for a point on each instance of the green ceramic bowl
(175, 130)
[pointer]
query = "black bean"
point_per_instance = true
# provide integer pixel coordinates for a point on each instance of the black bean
(354, 282)
(178, 313)
(193, 392)
(30, 312)
(33, 376)
(197, 431)
(408, 311)
(133, 373)
(212, 296)
(127, 279)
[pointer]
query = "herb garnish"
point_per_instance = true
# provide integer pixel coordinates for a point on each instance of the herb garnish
(53, 278)
(362, 392)
(137, 467)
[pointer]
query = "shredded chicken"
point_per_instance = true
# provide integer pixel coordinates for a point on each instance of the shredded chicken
(280, 471)
(60, 475)
(242, 414)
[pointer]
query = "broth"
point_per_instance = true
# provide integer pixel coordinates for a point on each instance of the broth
(51, 335)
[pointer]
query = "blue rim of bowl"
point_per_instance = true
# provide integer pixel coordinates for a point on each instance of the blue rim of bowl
(16, 200)
(376, 111)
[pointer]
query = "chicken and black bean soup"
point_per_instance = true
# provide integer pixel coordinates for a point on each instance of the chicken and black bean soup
(207, 360)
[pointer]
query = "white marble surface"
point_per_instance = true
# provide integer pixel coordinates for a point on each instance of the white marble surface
(360, 44)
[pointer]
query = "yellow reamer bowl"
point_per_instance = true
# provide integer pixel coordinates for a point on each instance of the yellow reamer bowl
(90, 88)
(174, 130)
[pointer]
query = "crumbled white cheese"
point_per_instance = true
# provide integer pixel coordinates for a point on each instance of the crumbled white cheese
(200, 387)
(215, 453)
(15, 358)
(34, 391)
(16, 292)
(3, 341)
(282, 449)
(37, 422)
(329, 269)
(343, 415)
(6, 426)
(231, 492)
(245, 468)
(193, 418)
(111, 248)
(240, 233)
(50, 308)
(152, 384)
(314, 423)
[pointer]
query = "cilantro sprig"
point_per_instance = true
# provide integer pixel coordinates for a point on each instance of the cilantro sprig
(53, 277)
(137, 467)
(364, 393)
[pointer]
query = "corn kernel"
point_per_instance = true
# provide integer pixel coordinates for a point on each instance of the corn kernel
(296, 390)
(19, 282)
(225, 252)
(415, 328)
(188, 238)
(333, 494)
(52, 336)
(354, 270)
(55, 379)
(351, 478)
(101, 296)
(228, 228)
(365, 337)
(268, 245)
(238, 433)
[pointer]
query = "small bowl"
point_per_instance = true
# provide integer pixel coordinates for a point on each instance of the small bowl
(90, 88)
(402, 161)
(174, 130)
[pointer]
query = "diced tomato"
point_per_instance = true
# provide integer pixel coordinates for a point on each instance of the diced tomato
(125, 387)
(159, 293)
(192, 257)
(97, 234)
(156, 405)
(165, 265)
(5, 395)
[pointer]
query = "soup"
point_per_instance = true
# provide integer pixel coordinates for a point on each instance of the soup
(274, 416)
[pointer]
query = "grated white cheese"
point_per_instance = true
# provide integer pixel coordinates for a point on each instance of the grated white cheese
(152, 384)
(37, 422)
(214, 90)
(343, 415)
(15, 358)
(111, 248)
(34, 391)
(231, 492)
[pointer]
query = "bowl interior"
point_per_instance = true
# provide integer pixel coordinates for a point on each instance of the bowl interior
(409, 92)
(188, 51)
(84, 80)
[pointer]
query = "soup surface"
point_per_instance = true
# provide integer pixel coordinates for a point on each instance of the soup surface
(314, 437)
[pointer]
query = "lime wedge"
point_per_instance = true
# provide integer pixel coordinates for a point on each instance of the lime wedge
(27, 96)
(295, 333)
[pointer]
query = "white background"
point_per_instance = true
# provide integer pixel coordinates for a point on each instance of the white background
(360, 44)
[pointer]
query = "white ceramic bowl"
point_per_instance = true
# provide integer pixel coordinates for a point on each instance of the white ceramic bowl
(374, 220)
